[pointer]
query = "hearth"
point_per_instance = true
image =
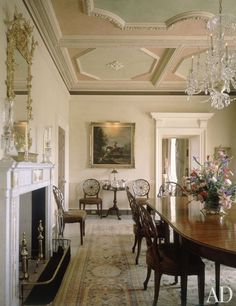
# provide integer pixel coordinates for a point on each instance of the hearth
(25, 197)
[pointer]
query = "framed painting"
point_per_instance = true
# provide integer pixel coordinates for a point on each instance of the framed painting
(112, 144)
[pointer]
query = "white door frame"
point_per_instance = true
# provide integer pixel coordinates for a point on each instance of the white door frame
(178, 125)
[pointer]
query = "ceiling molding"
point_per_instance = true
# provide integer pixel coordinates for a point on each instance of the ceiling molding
(170, 41)
(195, 15)
(128, 93)
(45, 21)
(54, 19)
(162, 66)
(91, 10)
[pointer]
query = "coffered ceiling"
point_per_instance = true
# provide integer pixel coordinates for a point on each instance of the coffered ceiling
(124, 45)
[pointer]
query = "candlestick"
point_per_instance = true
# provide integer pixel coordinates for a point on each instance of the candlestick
(192, 63)
(211, 37)
(226, 52)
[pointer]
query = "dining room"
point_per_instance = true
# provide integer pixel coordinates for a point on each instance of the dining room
(97, 90)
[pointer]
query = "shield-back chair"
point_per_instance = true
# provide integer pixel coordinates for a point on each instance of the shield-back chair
(91, 189)
(141, 188)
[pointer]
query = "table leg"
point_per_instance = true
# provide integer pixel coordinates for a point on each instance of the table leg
(114, 207)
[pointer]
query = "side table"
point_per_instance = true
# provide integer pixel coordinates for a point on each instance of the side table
(114, 207)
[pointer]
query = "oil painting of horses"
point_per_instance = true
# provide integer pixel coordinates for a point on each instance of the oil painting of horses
(112, 143)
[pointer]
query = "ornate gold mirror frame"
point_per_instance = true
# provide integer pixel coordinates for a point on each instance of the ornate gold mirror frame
(20, 38)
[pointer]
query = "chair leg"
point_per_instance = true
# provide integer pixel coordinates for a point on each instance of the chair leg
(157, 281)
(149, 270)
(139, 249)
(217, 279)
(135, 243)
(81, 232)
(201, 287)
(83, 228)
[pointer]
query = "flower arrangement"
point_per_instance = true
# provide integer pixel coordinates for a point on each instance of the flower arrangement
(211, 182)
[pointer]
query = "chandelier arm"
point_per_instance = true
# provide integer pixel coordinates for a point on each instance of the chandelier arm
(217, 71)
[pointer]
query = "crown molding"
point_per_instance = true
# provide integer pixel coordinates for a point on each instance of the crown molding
(45, 21)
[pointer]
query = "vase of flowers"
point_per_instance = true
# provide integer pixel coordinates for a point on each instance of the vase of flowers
(211, 183)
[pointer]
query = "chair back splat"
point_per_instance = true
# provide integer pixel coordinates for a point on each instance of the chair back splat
(141, 188)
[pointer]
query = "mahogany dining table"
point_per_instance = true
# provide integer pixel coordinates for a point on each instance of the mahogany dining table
(212, 236)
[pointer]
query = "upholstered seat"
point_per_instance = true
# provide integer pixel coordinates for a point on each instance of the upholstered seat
(69, 216)
(91, 188)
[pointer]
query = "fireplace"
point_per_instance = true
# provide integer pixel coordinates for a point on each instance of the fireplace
(25, 197)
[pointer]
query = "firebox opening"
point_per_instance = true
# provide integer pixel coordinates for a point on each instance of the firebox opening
(32, 210)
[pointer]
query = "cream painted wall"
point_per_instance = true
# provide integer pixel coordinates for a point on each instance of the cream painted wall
(86, 109)
(49, 93)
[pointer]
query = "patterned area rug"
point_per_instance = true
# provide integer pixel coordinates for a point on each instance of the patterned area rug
(103, 272)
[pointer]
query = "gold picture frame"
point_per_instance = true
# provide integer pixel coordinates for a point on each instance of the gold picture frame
(112, 144)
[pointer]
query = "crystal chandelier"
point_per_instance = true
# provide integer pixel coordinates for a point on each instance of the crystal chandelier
(216, 73)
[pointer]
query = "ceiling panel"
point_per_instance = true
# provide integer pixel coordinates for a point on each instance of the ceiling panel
(124, 45)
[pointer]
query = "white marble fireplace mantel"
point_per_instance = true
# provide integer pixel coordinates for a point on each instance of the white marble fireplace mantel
(16, 179)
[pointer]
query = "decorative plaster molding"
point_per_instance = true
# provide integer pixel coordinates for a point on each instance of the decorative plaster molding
(45, 20)
(91, 10)
(162, 66)
(115, 65)
(80, 41)
(190, 120)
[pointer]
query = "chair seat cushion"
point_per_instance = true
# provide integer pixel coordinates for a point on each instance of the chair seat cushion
(91, 200)
(74, 215)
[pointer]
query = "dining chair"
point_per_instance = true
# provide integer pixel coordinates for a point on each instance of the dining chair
(137, 227)
(91, 189)
(69, 216)
(169, 259)
(174, 189)
(141, 188)
(171, 189)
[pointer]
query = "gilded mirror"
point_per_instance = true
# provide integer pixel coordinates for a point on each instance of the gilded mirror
(20, 49)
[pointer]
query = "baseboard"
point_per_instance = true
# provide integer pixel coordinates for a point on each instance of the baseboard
(121, 212)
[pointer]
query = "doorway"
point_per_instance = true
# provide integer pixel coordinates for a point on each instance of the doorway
(175, 159)
(192, 126)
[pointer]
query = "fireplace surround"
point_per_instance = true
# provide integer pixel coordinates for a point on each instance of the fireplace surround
(16, 180)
